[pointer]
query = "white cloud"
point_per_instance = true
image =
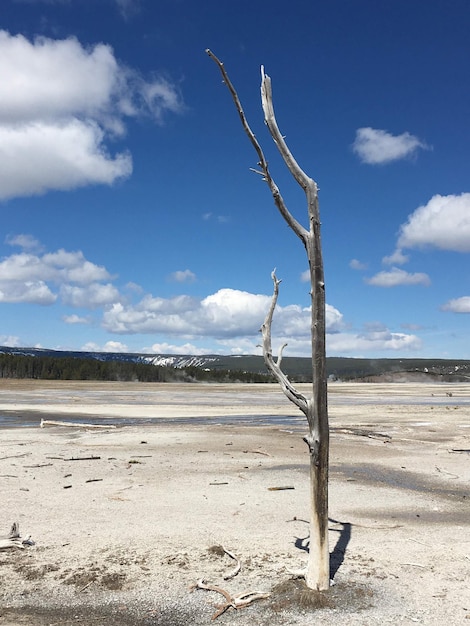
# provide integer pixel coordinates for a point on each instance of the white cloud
(226, 314)
(10, 340)
(75, 319)
(183, 276)
(109, 346)
(396, 258)
(168, 348)
(240, 345)
(58, 267)
(444, 223)
(458, 305)
(127, 8)
(40, 156)
(115, 346)
(59, 103)
(34, 292)
(355, 264)
(372, 341)
(33, 278)
(375, 146)
(134, 287)
(26, 242)
(396, 277)
(91, 296)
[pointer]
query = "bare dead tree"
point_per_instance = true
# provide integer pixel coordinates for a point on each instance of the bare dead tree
(315, 408)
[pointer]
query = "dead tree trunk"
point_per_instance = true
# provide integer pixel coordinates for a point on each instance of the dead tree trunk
(315, 408)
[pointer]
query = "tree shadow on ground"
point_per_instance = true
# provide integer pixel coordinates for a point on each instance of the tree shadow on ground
(337, 555)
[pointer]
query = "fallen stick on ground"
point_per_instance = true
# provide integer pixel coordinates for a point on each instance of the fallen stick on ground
(15, 456)
(14, 540)
(73, 424)
(238, 601)
(363, 433)
(257, 451)
(237, 568)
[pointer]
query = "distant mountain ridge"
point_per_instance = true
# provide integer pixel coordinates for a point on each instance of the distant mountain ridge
(298, 368)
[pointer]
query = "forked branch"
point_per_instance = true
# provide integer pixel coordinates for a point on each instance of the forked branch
(263, 164)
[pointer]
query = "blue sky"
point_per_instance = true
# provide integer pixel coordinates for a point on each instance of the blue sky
(131, 220)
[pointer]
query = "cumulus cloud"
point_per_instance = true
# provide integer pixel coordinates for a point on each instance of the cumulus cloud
(75, 319)
(38, 157)
(10, 340)
(169, 348)
(458, 305)
(231, 318)
(226, 314)
(396, 258)
(375, 147)
(109, 346)
(355, 264)
(57, 267)
(25, 242)
(93, 296)
(59, 104)
(396, 277)
(372, 341)
(33, 292)
(40, 278)
(183, 276)
(444, 223)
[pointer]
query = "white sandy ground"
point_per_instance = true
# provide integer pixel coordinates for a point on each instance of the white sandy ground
(125, 547)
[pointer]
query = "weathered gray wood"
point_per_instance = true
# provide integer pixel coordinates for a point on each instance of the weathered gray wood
(13, 539)
(315, 408)
(73, 424)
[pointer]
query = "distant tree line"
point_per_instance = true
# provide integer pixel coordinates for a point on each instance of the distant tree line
(70, 368)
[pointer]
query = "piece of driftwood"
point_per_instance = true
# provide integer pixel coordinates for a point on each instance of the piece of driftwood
(361, 432)
(238, 601)
(237, 569)
(38, 465)
(257, 451)
(442, 471)
(282, 488)
(83, 458)
(15, 456)
(73, 424)
(14, 539)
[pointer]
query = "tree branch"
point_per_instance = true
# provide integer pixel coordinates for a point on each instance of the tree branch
(270, 119)
(275, 366)
(308, 184)
(278, 199)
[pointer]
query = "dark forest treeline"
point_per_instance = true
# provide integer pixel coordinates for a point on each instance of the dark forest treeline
(69, 368)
